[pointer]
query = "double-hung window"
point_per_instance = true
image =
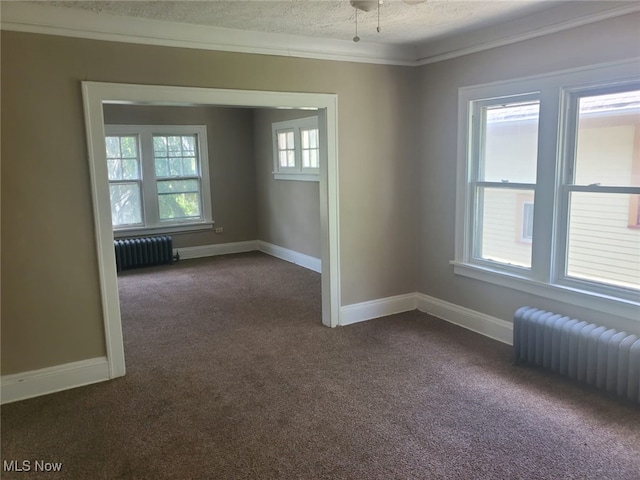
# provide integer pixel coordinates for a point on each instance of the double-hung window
(548, 186)
(296, 149)
(600, 188)
(158, 178)
(503, 181)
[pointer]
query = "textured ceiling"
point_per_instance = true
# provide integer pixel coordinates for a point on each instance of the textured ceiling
(401, 22)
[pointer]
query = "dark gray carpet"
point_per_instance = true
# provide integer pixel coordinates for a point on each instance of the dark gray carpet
(231, 375)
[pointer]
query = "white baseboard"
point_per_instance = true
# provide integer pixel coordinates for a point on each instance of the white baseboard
(292, 256)
(35, 383)
(218, 249)
(478, 322)
(360, 312)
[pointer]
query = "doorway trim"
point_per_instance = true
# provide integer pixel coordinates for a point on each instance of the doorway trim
(96, 94)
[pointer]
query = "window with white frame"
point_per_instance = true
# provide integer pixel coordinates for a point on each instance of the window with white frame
(296, 149)
(559, 165)
(158, 178)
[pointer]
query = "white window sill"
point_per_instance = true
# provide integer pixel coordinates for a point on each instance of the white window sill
(190, 227)
(594, 301)
(302, 177)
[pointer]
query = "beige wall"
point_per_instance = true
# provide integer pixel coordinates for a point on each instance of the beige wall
(231, 164)
(605, 41)
(396, 170)
(288, 211)
(51, 308)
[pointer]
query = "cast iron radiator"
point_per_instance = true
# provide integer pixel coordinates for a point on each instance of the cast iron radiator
(143, 252)
(589, 353)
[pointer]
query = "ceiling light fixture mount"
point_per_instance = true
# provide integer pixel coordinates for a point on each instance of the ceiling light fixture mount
(368, 5)
(365, 6)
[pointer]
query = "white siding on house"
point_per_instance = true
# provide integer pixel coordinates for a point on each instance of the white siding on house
(502, 227)
(603, 246)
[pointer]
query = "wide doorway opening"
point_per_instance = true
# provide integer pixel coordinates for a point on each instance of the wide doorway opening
(97, 95)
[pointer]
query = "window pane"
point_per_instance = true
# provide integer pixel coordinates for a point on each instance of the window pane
(607, 152)
(175, 167)
(162, 167)
(601, 245)
(291, 158)
(310, 158)
(113, 147)
(173, 186)
(179, 206)
(126, 206)
(310, 138)
(130, 169)
(122, 158)
(510, 143)
(189, 145)
(189, 166)
(160, 146)
(282, 156)
(315, 163)
(285, 141)
(128, 147)
(175, 146)
(502, 219)
(113, 167)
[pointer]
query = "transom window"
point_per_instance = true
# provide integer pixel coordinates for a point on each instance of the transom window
(549, 185)
(296, 149)
(158, 178)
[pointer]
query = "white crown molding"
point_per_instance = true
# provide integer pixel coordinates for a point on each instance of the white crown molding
(566, 16)
(44, 19)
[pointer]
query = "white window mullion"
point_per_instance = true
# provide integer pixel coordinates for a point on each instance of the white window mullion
(546, 192)
(149, 180)
(566, 144)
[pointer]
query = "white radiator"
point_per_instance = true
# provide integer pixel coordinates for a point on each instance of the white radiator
(590, 353)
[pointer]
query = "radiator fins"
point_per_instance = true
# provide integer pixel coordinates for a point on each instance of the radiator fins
(143, 252)
(595, 355)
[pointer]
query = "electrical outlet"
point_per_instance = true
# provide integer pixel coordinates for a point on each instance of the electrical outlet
(219, 230)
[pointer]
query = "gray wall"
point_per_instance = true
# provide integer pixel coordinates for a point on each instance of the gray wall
(605, 41)
(231, 164)
(288, 211)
